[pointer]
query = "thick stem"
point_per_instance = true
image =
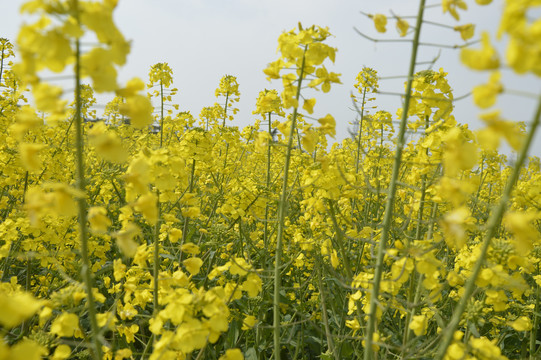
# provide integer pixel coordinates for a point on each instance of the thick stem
(369, 353)
(267, 187)
(282, 209)
(492, 228)
(81, 202)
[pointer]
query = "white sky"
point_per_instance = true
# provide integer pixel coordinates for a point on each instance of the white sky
(202, 40)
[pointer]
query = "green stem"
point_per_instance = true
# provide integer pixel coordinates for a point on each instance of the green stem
(187, 220)
(267, 187)
(533, 331)
(161, 116)
(328, 334)
(282, 209)
(156, 269)
(492, 227)
(81, 201)
(411, 295)
(345, 258)
(2, 65)
(225, 108)
(369, 352)
(359, 135)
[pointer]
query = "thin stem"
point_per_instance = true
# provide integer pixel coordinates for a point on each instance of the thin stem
(533, 331)
(324, 316)
(282, 209)
(369, 352)
(187, 220)
(156, 269)
(267, 187)
(492, 228)
(2, 64)
(161, 114)
(225, 108)
(81, 202)
(360, 134)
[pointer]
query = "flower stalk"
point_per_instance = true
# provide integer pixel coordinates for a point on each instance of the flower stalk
(387, 220)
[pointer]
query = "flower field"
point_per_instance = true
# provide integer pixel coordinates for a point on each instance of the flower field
(148, 232)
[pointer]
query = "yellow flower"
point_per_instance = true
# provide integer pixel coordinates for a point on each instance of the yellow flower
(138, 109)
(262, 141)
(455, 352)
(309, 105)
(125, 239)
(353, 324)
(253, 285)
(62, 352)
(452, 5)
(147, 205)
(62, 199)
(325, 78)
(65, 325)
(484, 96)
(309, 140)
(17, 307)
(27, 119)
(191, 212)
(30, 156)
(239, 266)
(453, 225)
(27, 350)
(174, 235)
(129, 332)
(523, 323)
(402, 26)
(248, 322)
(232, 354)
(268, 101)
(107, 143)
(122, 354)
(273, 70)
(525, 235)
(191, 335)
(375, 339)
(133, 86)
(138, 174)
(47, 98)
(460, 153)
(497, 128)
(190, 248)
(160, 73)
(486, 58)
(334, 259)
(98, 64)
(380, 21)
(193, 265)
(328, 125)
(466, 31)
(97, 217)
(285, 128)
(419, 324)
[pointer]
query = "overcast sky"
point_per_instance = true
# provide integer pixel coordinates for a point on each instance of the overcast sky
(202, 40)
